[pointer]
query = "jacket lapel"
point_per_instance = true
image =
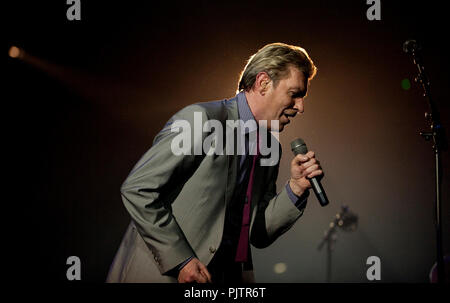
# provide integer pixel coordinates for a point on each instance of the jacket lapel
(232, 160)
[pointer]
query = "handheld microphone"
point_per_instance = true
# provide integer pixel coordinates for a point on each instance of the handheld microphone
(298, 146)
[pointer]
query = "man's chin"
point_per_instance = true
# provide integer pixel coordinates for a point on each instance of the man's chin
(278, 127)
(282, 126)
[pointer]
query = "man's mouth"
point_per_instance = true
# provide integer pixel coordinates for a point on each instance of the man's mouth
(287, 119)
(288, 115)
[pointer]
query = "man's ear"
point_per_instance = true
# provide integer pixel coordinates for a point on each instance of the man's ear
(262, 82)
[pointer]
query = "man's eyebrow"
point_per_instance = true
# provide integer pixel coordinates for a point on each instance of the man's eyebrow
(298, 91)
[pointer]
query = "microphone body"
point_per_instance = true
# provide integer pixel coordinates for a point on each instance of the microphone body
(298, 146)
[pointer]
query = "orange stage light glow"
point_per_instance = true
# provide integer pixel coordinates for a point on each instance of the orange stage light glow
(14, 52)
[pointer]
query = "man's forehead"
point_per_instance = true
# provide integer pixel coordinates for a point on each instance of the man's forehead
(296, 80)
(298, 85)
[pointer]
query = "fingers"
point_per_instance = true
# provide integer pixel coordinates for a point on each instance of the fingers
(310, 154)
(300, 158)
(204, 271)
(311, 168)
(206, 276)
(308, 165)
(200, 278)
(315, 174)
(194, 271)
(192, 277)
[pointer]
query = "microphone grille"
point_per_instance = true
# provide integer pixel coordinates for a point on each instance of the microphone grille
(298, 146)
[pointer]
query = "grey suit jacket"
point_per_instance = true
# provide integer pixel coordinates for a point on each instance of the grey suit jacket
(177, 204)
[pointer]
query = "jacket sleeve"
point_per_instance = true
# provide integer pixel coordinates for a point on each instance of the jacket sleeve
(275, 214)
(148, 190)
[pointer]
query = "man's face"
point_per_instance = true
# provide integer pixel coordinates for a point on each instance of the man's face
(286, 100)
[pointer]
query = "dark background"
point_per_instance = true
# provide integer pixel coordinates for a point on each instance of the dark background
(86, 101)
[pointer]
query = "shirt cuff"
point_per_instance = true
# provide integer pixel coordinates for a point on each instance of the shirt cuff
(180, 267)
(174, 272)
(299, 201)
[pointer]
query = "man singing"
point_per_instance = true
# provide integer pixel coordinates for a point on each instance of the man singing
(194, 215)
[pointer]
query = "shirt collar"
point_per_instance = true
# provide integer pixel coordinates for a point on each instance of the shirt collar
(245, 114)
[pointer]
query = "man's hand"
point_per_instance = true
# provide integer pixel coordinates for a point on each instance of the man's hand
(194, 271)
(303, 167)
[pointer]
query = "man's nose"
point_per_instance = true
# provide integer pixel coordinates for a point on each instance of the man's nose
(299, 105)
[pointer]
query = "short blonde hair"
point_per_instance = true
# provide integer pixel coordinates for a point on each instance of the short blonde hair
(275, 59)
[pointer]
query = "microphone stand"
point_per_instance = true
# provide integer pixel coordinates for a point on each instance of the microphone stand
(329, 238)
(436, 135)
(345, 220)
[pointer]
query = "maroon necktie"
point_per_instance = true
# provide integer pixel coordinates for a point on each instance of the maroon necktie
(242, 249)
